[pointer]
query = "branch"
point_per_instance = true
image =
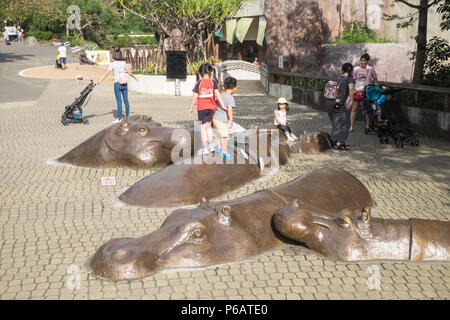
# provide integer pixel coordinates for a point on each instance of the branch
(409, 4)
(154, 21)
(433, 3)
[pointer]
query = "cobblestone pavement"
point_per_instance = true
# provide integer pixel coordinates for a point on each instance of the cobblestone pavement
(55, 217)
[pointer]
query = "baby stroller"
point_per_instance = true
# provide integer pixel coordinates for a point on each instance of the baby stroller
(389, 119)
(7, 41)
(74, 111)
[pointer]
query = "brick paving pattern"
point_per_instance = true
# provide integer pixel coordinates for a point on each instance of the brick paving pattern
(54, 217)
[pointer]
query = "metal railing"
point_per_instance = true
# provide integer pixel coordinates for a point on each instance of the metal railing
(291, 77)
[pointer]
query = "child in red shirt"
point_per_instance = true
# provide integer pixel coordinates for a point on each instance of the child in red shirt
(206, 91)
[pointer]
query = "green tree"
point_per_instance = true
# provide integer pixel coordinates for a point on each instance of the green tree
(421, 15)
(32, 14)
(197, 19)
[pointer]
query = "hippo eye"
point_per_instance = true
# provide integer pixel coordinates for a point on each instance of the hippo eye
(198, 234)
(344, 222)
(142, 130)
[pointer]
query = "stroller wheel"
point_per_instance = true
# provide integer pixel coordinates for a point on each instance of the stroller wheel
(85, 121)
(402, 144)
(381, 140)
(386, 140)
(65, 122)
(397, 145)
(416, 143)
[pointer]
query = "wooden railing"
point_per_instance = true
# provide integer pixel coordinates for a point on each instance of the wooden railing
(139, 56)
(283, 77)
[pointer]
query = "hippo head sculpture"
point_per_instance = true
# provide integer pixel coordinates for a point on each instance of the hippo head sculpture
(312, 143)
(357, 237)
(188, 238)
(137, 142)
(232, 230)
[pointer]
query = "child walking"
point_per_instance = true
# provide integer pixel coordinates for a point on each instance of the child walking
(280, 119)
(223, 118)
(206, 90)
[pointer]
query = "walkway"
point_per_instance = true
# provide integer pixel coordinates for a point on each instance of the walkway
(55, 217)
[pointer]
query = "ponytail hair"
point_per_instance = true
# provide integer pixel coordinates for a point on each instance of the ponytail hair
(205, 68)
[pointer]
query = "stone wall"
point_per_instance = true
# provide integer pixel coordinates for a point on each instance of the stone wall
(390, 60)
(298, 29)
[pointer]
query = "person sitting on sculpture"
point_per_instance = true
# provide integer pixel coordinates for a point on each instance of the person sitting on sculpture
(206, 91)
(281, 121)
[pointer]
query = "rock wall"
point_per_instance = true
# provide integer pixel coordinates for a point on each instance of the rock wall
(298, 29)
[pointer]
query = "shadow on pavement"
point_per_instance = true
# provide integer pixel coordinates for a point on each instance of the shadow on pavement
(13, 57)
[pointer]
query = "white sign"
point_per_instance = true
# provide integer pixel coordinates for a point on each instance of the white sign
(73, 22)
(280, 62)
(108, 181)
(99, 57)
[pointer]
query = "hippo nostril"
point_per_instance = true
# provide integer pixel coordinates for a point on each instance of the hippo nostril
(121, 253)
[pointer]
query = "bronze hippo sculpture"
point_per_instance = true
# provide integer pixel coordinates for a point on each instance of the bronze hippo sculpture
(209, 176)
(312, 143)
(137, 142)
(223, 232)
(355, 237)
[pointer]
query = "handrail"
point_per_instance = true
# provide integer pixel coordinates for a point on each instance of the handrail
(416, 88)
(388, 84)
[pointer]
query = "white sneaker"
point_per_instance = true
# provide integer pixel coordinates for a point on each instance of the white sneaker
(291, 139)
(294, 136)
(117, 121)
(211, 147)
(243, 153)
(203, 151)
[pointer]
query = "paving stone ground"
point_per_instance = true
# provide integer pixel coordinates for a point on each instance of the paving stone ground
(53, 218)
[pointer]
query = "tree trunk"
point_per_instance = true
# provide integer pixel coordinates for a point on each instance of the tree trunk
(160, 53)
(421, 41)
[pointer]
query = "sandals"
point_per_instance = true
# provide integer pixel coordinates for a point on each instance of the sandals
(342, 146)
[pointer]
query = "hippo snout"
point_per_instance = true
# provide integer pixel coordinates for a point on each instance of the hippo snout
(120, 259)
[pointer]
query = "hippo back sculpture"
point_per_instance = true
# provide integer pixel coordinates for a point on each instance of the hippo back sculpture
(137, 142)
(209, 176)
(222, 232)
(346, 236)
(312, 143)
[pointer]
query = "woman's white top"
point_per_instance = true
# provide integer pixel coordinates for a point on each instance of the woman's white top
(118, 67)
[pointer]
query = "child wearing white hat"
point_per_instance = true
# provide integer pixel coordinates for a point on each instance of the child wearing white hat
(280, 119)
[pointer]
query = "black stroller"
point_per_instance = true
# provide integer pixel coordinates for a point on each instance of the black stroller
(74, 111)
(389, 119)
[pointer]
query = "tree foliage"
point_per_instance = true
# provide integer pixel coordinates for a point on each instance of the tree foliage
(197, 19)
(425, 57)
(101, 20)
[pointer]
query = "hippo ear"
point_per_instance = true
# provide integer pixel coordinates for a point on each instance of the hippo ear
(365, 215)
(224, 215)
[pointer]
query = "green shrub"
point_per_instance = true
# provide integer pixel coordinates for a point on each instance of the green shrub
(151, 41)
(40, 35)
(193, 67)
(358, 32)
(151, 67)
